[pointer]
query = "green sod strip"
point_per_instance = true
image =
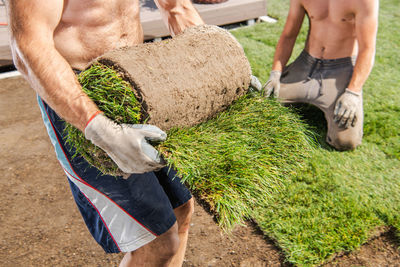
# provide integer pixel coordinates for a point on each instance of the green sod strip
(336, 202)
(234, 162)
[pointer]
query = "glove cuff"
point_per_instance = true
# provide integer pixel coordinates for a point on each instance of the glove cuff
(92, 117)
(97, 125)
(352, 92)
(275, 72)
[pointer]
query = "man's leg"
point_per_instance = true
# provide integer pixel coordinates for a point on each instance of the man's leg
(340, 138)
(296, 84)
(157, 253)
(183, 216)
(344, 139)
(167, 249)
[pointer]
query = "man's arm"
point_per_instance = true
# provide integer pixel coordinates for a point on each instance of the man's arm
(289, 34)
(284, 47)
(366, 23)
(32, 25)
(178, 15)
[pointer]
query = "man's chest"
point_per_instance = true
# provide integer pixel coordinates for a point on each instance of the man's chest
(97, 9)
(330, 10)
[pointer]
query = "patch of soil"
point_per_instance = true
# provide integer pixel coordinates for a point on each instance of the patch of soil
(41, 225)
(382, 250)
(245, 246)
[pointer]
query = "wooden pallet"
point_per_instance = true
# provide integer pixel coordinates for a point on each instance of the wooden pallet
(5, 52)
(229, 12)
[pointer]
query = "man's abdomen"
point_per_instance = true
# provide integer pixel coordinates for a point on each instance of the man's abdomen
(331, 41)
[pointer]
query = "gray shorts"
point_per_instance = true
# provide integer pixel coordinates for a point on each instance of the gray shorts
(320, 82)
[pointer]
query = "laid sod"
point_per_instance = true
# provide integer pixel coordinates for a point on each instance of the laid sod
(340, 198)
(233, 162)
(238, 160)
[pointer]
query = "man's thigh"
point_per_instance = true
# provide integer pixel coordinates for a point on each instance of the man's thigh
(296, 86)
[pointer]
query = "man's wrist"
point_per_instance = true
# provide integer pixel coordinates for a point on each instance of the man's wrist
(92, 117)
(276, 71)
(353, 92)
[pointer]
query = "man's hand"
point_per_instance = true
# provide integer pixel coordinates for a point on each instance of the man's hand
(255, 84)
(346, 107)
(273, 84)
(178, 15)
(126, 144)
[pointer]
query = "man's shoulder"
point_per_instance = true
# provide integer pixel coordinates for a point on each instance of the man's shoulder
(365, 6)
(362, 4)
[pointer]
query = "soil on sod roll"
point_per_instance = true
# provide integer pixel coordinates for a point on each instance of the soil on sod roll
(185, 80)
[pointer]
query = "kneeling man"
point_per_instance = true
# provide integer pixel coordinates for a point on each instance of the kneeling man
(335, 63)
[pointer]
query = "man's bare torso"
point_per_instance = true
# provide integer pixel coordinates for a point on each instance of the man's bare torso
(88, 28)
(332, 28)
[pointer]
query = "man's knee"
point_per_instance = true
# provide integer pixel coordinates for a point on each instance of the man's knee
(184, 215)
(168, 243)
(158, 252)
(344, 143)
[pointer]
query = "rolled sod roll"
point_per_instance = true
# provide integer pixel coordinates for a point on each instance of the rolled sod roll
(185, 80)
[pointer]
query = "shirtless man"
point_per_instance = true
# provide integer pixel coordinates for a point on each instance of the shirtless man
(336, 61)
(146, 215)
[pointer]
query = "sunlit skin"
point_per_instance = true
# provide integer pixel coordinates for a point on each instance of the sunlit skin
(338, 28)
(51, 38)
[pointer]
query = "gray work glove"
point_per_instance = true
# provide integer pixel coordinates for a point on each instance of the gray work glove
(346, 107)
(126, 144)
(255, 84)
(273, 84)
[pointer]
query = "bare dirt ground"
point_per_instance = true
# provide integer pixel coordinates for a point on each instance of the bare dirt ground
(41, 226)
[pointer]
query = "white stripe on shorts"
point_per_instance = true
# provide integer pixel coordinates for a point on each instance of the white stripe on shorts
(126, 231)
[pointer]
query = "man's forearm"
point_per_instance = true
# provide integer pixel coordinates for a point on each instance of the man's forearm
(179, 15)
(366, 26)
(283, 52)
(362, 69)
(52, 78)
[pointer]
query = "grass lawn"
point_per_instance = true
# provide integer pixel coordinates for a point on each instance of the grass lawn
(337, 200)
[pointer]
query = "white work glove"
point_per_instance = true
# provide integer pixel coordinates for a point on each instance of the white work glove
(346, 107)
(255, 84)
(273, 84)
(126, 144)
